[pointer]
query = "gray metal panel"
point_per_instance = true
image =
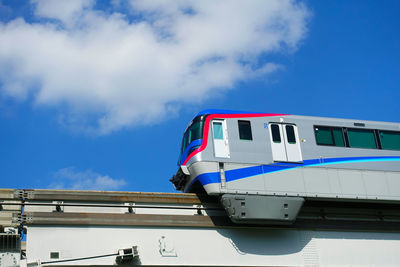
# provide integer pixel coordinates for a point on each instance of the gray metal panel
(198, 168)
(352, 183)
(290, 181)
(393, 182)
(334, 181)
(375, 184)
(248, 151)
(256, 209)
(254, 185)
(316, 181)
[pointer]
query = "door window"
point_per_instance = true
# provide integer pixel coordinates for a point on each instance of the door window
(291, 138)
(276, 135)
(218, 131)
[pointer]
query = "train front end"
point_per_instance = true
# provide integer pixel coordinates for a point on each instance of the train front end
(192, 145)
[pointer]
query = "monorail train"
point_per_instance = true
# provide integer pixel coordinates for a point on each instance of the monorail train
(266, 166)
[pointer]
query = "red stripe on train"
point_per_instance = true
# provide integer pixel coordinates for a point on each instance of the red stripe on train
(225, 116)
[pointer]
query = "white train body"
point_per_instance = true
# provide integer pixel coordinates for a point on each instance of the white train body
(274, 159)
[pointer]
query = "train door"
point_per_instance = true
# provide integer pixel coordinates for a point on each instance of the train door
(285, 142)
(220, 138)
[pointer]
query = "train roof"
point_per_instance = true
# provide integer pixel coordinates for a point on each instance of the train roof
(226, 111)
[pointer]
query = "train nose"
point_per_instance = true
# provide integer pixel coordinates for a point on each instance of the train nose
(179, 180)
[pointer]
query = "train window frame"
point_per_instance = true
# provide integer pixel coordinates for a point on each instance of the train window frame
(376, 133)
(218, 135)
(279, 140)
(245, 132)
(332, 135)
(379, 132)
(317, 141)
(291, 138)
(373, 131)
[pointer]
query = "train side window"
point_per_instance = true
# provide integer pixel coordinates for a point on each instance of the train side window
(338, 137)
(361, 138)
(291, 138)
(245, 130)
(390, 140)
(276, 136)
(329, 136)
(324, 136)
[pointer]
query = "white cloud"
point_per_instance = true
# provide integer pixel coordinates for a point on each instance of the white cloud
(129, 69)
(70, 178)
(68, 12)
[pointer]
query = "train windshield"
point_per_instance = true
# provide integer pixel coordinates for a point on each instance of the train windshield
(194, 132)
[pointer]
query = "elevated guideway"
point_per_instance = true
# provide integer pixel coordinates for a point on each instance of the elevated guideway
(161, 229)
(9, 205)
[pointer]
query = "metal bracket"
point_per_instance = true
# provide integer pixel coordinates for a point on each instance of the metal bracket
(18, 194)
(167, 248)
(28, 218)
(127, 255)
(199, 209)
(59, 206)
(222, 175)
(22, 193)
(10, 230)
(258, 209)
(17, 218)
(29, 194)
(131, 207)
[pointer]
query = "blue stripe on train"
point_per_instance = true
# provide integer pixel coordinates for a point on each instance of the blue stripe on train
(185, 154)
(232, 175)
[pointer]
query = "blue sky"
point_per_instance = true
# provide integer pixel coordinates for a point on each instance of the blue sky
(97, 94)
